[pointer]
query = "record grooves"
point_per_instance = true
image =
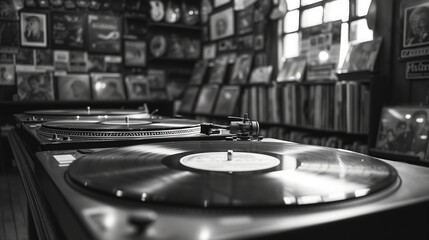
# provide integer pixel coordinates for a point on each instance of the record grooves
(154, 173)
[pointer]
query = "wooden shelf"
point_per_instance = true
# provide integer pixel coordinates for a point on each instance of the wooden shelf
(181, 26)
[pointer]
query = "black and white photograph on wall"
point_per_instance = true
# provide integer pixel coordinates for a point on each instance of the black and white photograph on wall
(138, 87)
(217, 72)
(135, 53)
(104, 34)
(241, 69)
(78, 60)
(361, 56)
(158, 46)
(34, 31)
(7, 74)
(176, 47)
(74, 87)
(245, 20)
(416, 24)
(68, 30)
(7, 58)
(156, 78)
(25, 56)
(227, 45)
(9, 9)
(207, 99)
(107, 86)
(9, 34)
(188, 99)
(222, 24)
(227, 100)
(404, 130)
(35, 86)
(192, 48)
(246, 42)
(198, 72)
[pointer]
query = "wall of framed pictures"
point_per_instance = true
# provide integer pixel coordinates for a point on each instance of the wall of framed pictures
(101, 50)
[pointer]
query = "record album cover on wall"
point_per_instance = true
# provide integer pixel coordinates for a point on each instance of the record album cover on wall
(74, 87)
(68, 30)
(135, 53)
(138, 87)
(404, 130)
(104, 34)
(241, 69)
(34, 30)
(107, 86)
(35, 86)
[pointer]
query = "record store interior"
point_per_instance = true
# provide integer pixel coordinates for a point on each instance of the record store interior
(214, 119)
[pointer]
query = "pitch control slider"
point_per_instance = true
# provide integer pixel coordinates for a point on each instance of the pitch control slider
(245, 129)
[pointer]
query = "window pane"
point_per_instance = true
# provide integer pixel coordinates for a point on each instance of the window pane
(292, 4)
(344, 47)
(360, 32)
(336, 10)
(312, 16)
(308, 2)
(291, 45)
(291, 21)
(362, 7)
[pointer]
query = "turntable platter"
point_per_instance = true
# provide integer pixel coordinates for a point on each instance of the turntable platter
(231, 174)
(96, 112)
(127, 128)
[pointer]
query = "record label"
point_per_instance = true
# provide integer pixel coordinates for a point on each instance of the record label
(230, 162)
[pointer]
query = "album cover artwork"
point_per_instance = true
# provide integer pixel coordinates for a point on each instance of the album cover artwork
(246, 42)
(293, 69)
(68, 30)
(104, 34)
(176, 47)
(61, 60)
(135, 53)
(361, 56)
(209, 51)
(259, 42)
(206, 99)
(222, 24)
(135, 28)
(227, 101)
(9, 34)
(192, 48)
(138, 87)
(158, 46)
(44, 59)
(416, 22)
(107, 86)
(176, 87)
(217, 72)
(229, 44)
(35, 86)
(198, 72)
(7, 74)
(25, 56)
(9, 9)
(6, 58)
(113, 63)
(78, 60)
(74, 87)
(241, 69)
(245, 20)
(404, 130)
(261, 74)
(188, 100)
(156, 78)
(96, 63)
(34, 31)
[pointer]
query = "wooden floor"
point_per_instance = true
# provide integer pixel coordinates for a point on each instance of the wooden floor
(13, 206)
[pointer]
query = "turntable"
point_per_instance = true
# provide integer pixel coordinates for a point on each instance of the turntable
(267, 189)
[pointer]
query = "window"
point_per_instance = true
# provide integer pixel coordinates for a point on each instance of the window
(307, 13)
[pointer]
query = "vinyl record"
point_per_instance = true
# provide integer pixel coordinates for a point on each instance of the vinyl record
(257, 174)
